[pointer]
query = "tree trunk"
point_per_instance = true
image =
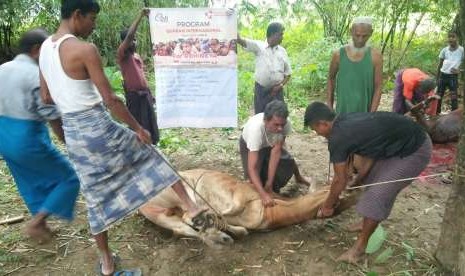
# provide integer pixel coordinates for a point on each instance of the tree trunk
(461, 27)
(450, 252)
(451, 247)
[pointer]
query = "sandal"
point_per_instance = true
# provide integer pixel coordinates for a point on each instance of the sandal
(129, 272)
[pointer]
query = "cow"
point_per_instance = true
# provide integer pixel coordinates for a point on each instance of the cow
(443, 128)
(235, 208)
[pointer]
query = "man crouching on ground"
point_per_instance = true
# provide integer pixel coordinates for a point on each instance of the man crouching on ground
(400, 148)
(264, 160)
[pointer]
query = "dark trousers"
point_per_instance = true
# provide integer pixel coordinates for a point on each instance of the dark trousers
(284, 172)
(140, 104)
(448, 81)
(262, 97)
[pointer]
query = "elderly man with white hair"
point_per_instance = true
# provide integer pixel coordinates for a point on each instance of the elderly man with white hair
(355, 72)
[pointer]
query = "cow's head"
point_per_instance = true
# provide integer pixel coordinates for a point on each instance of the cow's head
(211, 229)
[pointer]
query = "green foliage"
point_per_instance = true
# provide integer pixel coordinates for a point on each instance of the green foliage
(384, 256)
(171, 140)
(410, 252)
(7, 257)
(116, 80)
(376, 240)
(10, 238)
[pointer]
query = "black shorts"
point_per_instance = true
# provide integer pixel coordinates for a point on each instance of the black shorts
(447, 81)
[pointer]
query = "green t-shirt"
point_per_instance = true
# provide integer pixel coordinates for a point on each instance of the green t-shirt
(354, 83)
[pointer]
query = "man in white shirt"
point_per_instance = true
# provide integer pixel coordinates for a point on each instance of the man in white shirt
(266, 163)
(272, 66)
(450, 59)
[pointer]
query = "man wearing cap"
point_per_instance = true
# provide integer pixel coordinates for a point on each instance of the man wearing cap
(413, 87)
(355, 72)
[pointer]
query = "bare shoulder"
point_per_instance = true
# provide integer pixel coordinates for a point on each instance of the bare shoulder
(375, 53)
(336, 53)
(74, 46)
(335, 57)
(89, 48)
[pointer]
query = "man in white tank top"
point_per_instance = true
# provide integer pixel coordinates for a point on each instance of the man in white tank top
(78, 63)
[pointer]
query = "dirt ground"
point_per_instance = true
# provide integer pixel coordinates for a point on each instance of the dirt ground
(306, 249)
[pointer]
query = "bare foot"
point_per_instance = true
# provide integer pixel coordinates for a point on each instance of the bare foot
(351, 256)
(107, 264)
(356, 227)
(38, 232)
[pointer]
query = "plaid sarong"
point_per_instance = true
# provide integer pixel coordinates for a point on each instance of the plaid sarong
(376, 202)
(117, 172)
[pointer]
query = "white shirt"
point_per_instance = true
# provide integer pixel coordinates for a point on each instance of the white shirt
(271, 63)
(452, 59)
(70, 95)
(20, 91)
(256, 137)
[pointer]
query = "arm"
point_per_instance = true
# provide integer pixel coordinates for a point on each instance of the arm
(279, 86)
(253, 169)
(408, 94)
(57, 128)
(44, 92)
(337, 186)
(363, 166)
(93, 65)
(123, 47)
(286, 80)
(438, 74)
(273, 165)
(333, 68)
(241, 41)
(378, 81)
(55, 124)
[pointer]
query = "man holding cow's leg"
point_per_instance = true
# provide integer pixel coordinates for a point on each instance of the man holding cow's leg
(266, 163)
(399, 147)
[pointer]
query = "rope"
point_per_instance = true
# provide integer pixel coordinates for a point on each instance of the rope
(397, 180)
(329, 172)
(187, 183)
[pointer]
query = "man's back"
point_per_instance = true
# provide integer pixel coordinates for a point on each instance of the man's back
(19, 78)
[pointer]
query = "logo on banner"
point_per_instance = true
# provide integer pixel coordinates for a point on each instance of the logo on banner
(159, 17)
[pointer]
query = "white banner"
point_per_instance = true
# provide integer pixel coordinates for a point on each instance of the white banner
(195, 60)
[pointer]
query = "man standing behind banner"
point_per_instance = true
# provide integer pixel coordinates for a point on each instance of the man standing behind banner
(139, 99)
(272, 66)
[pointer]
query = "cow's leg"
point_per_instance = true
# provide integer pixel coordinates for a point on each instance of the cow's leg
(239, 201)
(237, 231)
(158, 215)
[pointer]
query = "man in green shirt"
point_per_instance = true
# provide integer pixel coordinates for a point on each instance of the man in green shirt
(355, 72)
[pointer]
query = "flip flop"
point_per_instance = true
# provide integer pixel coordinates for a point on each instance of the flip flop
(116, 261)
(129, 272)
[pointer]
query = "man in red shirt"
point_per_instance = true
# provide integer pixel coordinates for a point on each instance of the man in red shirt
(139, 99)
(412, 87)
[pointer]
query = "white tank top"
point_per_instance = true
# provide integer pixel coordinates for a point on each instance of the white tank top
(69, 95)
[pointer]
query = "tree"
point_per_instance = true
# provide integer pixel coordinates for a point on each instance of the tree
(337, 16)
(451, 248)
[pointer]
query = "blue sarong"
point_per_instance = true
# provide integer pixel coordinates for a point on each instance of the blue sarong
(44, 177)
(117, 172)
